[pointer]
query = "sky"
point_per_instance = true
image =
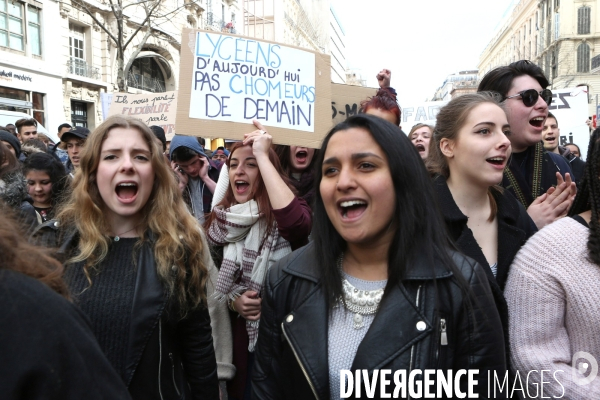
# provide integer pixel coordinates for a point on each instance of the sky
(420, 41)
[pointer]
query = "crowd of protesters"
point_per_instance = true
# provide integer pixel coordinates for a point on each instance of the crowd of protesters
(139, 267)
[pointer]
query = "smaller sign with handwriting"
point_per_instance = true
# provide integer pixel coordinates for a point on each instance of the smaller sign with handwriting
(152, 108)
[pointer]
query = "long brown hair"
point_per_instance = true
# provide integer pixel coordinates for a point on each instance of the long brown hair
(259, 193)
(18, 255)
(177, 238)
(450, 120)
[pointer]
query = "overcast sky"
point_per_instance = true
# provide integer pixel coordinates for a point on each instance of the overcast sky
(420, 41)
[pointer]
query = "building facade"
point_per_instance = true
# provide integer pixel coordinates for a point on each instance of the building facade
(337, 48)
(30, 79)
(561, 36)
(57, 58)
(310, 24)
(456, 84)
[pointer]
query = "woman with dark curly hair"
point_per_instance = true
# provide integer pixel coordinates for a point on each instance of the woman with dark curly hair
(47, 180)
(13, 190)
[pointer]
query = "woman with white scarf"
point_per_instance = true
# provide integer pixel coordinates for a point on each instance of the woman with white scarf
(257, 219)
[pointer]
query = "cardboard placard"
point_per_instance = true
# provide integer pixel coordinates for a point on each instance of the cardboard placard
(151, 108)
(345, 100)
(226, 80)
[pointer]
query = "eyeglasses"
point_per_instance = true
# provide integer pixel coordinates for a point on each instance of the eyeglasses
(530, 96)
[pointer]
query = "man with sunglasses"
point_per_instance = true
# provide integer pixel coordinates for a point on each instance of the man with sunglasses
(540, 180)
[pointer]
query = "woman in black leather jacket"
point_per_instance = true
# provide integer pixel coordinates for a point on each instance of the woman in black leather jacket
(138, 265)
(411, 303)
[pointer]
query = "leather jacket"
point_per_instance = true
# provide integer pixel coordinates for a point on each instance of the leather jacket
(179, 352)
(291, 359)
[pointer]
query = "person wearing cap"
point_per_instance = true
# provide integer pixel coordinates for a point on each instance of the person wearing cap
(11, 142)
(75, 140)
(197, 177)
(219, 156)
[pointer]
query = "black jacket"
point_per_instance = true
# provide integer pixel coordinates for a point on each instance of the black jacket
(577, 165)
(179, 352)
(294, 328)
(515, 226)
(47, 348)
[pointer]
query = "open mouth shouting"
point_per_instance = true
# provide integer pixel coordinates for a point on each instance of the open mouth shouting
(352, 209)
(537, 122)
(126, 191)
(420, 148)
(241, 186)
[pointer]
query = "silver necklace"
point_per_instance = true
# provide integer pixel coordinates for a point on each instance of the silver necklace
(360, 302)
(117, 238)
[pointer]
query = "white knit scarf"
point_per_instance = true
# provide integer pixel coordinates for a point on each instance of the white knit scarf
(245, 254)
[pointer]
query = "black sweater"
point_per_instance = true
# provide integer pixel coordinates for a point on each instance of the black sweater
(47, 349)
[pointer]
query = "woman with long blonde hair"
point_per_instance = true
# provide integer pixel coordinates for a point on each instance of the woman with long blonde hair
(138, 265)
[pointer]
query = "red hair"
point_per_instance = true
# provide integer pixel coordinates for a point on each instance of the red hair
(383, 100)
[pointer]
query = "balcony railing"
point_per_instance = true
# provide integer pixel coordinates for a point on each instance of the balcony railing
(145, 83)
(218, 25)
(79, 67)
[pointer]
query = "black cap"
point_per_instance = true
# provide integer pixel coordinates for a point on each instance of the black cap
(160, 135)
(78, 132)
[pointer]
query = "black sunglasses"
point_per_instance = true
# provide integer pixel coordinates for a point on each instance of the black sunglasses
(530, 96)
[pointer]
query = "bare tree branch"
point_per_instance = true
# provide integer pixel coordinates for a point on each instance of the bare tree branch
(148, 15)
(137, 51)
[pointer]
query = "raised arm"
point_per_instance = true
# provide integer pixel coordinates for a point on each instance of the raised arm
(280, 194)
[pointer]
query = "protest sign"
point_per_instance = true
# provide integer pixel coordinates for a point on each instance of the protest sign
(570, 107)
(226, 81)
(420, 113)
(345, 100)
(105, 99)
(151, 108)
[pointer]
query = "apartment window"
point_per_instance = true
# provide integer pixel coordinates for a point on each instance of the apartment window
(76, 42)
(35, 30)
(554, 64)
(38, 107)
(79, 113)
(13, 23)
(583, 58)
(583, 20)
(556, 26)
